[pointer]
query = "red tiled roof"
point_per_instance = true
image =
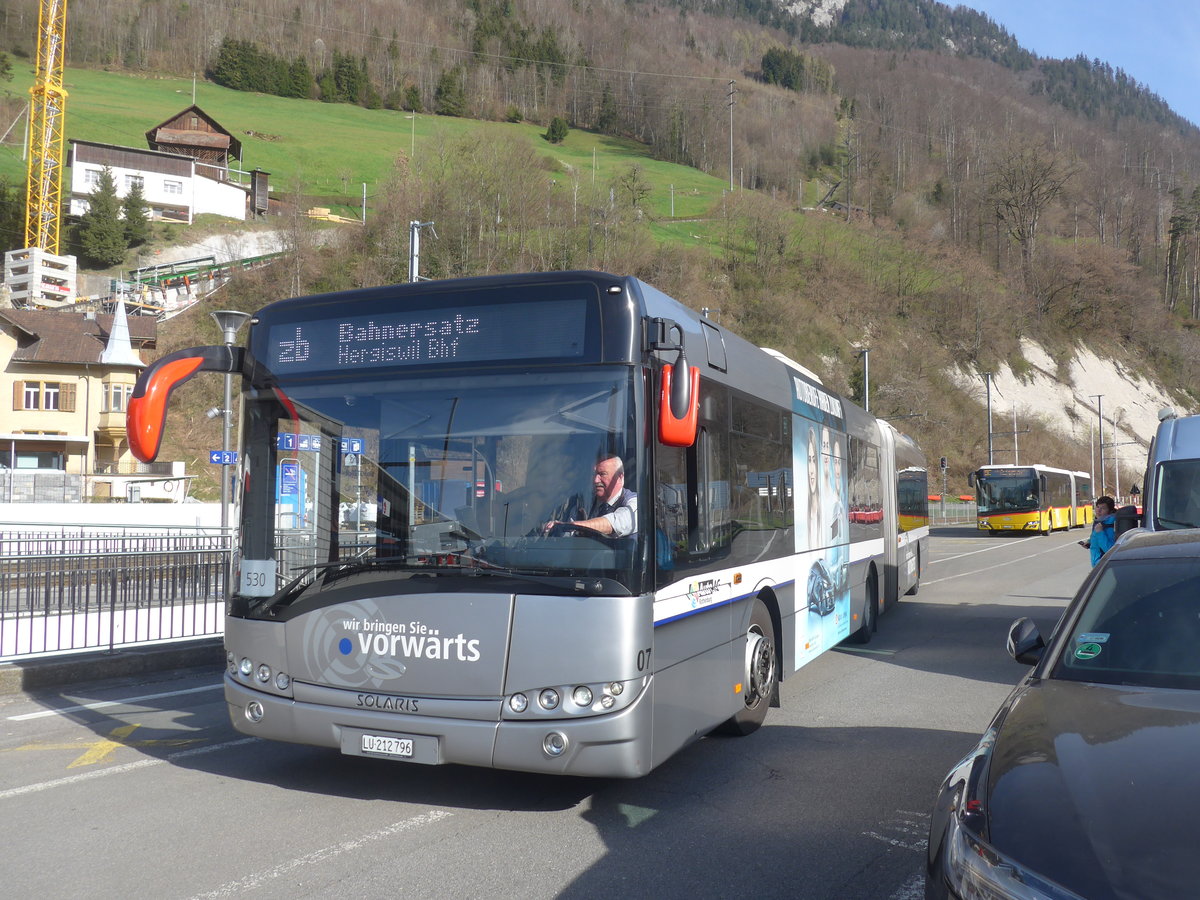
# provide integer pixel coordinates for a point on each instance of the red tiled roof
(49, 336)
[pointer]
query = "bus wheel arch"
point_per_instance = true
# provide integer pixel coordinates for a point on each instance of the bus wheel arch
(760, 684)
(870, 614)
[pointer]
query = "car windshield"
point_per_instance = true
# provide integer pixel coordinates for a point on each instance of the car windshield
(444, 474)
(1139, 626)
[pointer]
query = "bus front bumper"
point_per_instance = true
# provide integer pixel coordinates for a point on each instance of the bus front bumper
(617, 745)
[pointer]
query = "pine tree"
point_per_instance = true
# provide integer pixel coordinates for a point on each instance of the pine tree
(558, 130)
(609, 116)
(449, 98)
(101, 231)
(137, 218)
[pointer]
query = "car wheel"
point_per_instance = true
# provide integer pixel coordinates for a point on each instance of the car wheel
(760, 679)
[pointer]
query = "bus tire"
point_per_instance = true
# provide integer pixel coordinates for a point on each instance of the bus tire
(870, 616)
(760, 676)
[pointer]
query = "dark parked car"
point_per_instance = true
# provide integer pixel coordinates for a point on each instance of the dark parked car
(1087, 780)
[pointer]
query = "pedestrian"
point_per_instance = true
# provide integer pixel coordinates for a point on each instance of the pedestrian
(1104, 533)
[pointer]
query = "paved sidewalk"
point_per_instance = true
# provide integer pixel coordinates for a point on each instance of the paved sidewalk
(23, 675)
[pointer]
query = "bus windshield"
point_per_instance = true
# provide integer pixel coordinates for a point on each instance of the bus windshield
(453, 474)
(1014, 491)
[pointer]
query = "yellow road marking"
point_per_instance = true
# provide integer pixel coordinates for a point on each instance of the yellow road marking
(99, 751)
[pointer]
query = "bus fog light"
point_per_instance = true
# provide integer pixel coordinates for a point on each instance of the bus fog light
(548, 699)
(518, 703)
(254, 711)
(607, 702)
(246, 667)
(264, 673)
(230, 662)
(616, 688)
(555, 744)
(582, 695)
(283, 681)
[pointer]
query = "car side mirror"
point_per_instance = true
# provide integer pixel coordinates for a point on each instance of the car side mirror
(1025, 643)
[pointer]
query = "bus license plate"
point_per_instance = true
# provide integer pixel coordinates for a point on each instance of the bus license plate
(389, 746)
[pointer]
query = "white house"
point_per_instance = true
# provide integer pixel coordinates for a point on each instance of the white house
(173, 189)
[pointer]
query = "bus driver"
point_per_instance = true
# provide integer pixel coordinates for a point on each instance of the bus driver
(614, 507)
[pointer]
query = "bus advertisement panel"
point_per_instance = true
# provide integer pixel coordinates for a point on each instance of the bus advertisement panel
(587, 548)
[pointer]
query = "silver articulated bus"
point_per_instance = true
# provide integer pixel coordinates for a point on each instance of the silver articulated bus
(485, 609)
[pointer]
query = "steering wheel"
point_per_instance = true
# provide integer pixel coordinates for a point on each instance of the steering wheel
(568, 529)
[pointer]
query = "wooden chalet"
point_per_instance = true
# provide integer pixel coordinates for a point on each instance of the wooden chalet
(196, 134)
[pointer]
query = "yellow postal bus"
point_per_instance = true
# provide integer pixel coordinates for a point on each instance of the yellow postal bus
(1030, 498)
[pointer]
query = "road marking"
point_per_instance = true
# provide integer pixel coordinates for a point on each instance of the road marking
(250, 882)
(913, 889)
(910, 831)
(118, 770)
(104, 704)
(99, 751)
(1007, 543)
(1000, 565)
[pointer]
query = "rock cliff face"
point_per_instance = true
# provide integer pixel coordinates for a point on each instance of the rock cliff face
(1074, 403)
(821, 12)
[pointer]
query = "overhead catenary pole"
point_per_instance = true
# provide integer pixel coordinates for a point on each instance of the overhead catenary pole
(987, 378)
(1100, 416)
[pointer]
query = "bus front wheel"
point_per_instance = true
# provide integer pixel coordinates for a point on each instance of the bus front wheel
(760, 679)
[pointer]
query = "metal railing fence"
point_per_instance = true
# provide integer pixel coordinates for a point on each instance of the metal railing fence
(63, 591)
(951, 513)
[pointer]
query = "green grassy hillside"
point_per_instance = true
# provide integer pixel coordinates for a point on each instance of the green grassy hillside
(329, 150)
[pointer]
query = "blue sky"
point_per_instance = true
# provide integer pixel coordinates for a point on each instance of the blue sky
(1155, 41)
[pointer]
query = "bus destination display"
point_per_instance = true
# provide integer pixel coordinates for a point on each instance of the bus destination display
(421, 337)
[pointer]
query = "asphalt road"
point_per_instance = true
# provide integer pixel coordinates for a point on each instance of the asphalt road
(140, 786)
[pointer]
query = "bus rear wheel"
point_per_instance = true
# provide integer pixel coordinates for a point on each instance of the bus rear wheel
(760, 679)
(870, 617)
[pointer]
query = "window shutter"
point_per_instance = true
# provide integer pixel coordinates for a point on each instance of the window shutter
(18, 395)
(66, 398)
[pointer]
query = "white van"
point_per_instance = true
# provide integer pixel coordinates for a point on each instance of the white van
(1171, 489)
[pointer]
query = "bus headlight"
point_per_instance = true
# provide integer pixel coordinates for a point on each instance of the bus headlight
(574, 701)
(283, 681)
(264, 673)
(246, 666)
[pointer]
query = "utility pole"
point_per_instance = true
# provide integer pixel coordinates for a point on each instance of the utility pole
(1100, 415)
(732, 91)
(987, 378)
(864, 353)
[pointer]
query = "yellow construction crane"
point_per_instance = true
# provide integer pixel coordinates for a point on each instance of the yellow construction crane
(47, 113)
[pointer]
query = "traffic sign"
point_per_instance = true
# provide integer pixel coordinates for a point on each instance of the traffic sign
(223, 457)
